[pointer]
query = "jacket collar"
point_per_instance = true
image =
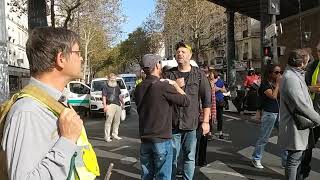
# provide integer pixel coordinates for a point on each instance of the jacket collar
(55, 93)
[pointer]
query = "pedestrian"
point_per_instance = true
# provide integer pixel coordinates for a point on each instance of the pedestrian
(154, 100)
(220, 103)
(269, 97)
(202, 140)
(39, 143)
(112, 106)
(213, 117)
(186, 119)
(295, 105)
(313, 81)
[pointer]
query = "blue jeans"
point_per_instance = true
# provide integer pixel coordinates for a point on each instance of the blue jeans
(156, 160)
(187, 140)
(268, 120)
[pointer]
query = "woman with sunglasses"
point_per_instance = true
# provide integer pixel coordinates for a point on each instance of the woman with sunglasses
(269, 94)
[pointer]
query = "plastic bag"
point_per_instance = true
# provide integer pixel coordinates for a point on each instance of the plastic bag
(123, 115)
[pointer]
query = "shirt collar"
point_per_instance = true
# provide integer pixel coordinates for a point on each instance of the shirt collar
(297, 70)
(55, 93)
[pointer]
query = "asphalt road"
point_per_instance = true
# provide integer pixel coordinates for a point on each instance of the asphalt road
(228, 159)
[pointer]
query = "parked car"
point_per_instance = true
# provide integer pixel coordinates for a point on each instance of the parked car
(96, 105)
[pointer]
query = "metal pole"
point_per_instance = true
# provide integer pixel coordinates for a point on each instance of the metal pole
(274, 44)
(4, 73)
(230, 55)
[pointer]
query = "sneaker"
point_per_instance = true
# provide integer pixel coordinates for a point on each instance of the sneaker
(108, 139)
(117, 137)
(257, 164)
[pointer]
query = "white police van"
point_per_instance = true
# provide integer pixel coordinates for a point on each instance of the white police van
(77, 94)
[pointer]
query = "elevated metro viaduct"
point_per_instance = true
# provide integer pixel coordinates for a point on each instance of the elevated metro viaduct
(296, 16)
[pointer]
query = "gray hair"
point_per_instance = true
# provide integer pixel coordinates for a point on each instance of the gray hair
(297, 57)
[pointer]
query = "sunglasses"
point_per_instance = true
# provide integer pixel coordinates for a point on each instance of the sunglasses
(278, 72)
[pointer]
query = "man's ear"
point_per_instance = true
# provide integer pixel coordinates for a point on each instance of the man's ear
(60, 60)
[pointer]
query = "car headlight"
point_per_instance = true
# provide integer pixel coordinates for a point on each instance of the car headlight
(126, 95)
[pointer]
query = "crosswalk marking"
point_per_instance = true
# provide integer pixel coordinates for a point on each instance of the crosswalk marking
(271, 161)
(119, 148)
(127, 174)
(315, 151)
(218, 169)
(231, 117)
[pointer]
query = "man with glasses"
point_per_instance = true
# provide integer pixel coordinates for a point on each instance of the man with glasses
(37, 143)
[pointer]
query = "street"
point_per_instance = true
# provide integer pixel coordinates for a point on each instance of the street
(228, 159)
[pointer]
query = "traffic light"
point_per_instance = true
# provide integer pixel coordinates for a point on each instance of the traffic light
(267, 51)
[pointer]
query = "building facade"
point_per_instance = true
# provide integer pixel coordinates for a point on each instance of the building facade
(16, 30)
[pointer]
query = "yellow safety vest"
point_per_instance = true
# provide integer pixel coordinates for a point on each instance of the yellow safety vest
(84, 165)
(315, 79)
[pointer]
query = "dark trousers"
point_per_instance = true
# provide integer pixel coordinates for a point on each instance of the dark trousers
(219, 116)
(307, 155)
(201, 153)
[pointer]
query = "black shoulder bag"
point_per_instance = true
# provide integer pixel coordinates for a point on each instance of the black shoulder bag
(300, 120)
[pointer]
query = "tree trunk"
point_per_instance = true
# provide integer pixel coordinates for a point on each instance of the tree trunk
(37, 14)
(85, 60)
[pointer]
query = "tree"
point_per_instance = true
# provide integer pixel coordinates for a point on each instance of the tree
(133, 48)
(193, 21)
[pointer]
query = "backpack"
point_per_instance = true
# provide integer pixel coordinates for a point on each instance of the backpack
(56, 107)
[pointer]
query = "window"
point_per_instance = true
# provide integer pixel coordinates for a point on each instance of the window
(121, 84)
(79, 88)
(129, 79)
(98, 85)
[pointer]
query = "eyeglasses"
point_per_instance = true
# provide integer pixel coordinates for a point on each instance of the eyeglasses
(78, 52)
(278, 72)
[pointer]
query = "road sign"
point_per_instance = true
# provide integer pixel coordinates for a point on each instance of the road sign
(271, 31)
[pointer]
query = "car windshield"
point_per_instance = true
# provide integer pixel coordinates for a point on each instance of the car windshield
(129, 79)
(98, 85)
(121, 84)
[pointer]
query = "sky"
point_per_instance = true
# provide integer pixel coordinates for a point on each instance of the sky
(136, 11)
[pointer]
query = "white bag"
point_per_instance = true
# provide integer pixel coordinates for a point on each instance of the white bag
(123, 115)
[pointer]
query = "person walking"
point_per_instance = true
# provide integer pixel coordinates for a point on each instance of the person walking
(154, 98)
(112, 106)
(269, 97)
(294, 101)
(186, 119)
(38, 142)
(220, 89)
(313, 81)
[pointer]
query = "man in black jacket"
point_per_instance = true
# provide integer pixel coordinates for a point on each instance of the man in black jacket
(154, 99)
(186, 119)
